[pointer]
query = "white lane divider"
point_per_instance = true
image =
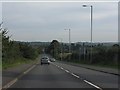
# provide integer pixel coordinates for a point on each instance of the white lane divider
(92, 84)
(67, 71)
(75, 75)
(79, 77)
(61, 67)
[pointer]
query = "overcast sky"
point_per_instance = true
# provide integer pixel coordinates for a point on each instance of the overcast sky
(46, 21)
(0, 12)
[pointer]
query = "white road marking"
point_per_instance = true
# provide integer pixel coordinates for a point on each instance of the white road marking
(58, 66)
(61, 67)
(67, 71)
(29, 69)
(92, 84)
(80, 78)
(10, 83)
(16, 79)
(75, 75)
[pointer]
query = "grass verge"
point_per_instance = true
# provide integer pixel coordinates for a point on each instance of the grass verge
(17, 62)
(109, 65)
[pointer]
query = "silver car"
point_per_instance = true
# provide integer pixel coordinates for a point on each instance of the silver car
(52, 59)
(45, 60)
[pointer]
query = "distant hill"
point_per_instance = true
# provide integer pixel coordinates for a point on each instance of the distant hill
(80, 43)
(40, 43)
(98, 43)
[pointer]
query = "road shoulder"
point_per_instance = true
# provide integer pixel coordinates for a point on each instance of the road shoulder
(11, 74)
(96, 68)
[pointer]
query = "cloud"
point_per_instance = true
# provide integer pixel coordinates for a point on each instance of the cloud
(0, 12)
(35, 20)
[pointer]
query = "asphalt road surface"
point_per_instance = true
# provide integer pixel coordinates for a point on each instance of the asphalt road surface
(49, 76)
(59, 75)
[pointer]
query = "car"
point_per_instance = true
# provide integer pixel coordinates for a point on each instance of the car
(45, 60)
(52, 59)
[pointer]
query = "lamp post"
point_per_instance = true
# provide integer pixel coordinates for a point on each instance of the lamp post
(61, 48)
(79, 53)
(69, 41)
(91, 16)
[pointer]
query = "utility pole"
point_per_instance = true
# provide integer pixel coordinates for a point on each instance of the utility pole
(91, 24)
(61, 48)
(69, 41)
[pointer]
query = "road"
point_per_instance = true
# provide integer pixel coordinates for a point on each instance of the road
(60, 75)
(49, 76)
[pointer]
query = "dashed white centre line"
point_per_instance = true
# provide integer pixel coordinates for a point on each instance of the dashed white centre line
(58, 66)
(79, 77)
(75, 75)
(67, 71)
(61, 67)
(93, 85)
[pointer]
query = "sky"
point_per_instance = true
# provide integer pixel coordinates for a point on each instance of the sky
(0, 11)
(46, 21)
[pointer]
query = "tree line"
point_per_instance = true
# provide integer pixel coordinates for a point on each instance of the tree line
(104, 55)
(14, 51)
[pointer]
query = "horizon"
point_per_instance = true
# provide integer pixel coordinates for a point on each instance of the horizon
(65, 42)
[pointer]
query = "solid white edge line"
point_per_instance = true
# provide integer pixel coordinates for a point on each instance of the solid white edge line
(16, 79)
(92, 84)
(29, 69)
(10, 83)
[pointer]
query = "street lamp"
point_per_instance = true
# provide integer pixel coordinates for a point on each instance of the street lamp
(69, 41)
(79, 53)
(91, 9)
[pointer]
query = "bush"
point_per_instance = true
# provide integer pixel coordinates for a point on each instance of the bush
(12, 50)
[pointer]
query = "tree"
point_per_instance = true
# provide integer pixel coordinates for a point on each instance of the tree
(5, 43)
(12, 50)
(54, 48)
(27, 51)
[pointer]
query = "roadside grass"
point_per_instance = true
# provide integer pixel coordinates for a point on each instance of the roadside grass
(0, 66)
(65, 55)
(101, 64)
(109, 65)
(0, 63)
(17, 62)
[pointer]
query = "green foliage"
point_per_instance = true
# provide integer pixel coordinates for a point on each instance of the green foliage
(101, 55)
(75, 56)
(27, 51)
(16, 52)
(17, 62)
(54, 49)
(106, 55)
